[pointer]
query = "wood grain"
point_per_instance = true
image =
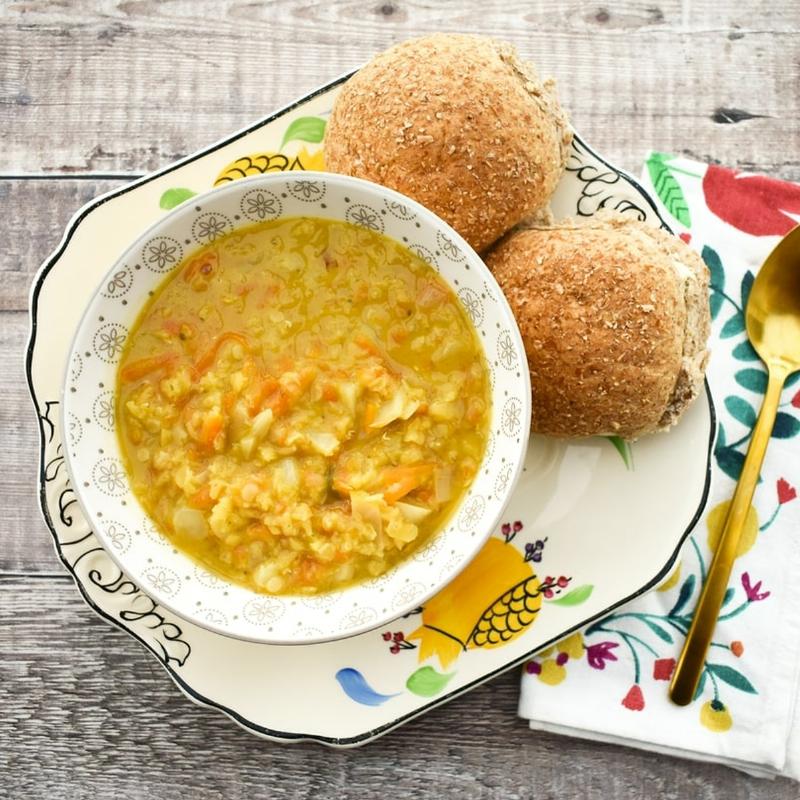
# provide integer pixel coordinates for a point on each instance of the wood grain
(24, 543)
(112, 86)
(88, 715)
(134, 84)
(35, 214)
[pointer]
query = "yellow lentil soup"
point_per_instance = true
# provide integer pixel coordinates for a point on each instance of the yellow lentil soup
(301, 404)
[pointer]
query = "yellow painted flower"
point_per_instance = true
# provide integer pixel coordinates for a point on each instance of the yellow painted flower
(572, 645)
(715, 716)
(716, 519)
(494, 600)
(552, 673)
(672, 580)
(261, 163)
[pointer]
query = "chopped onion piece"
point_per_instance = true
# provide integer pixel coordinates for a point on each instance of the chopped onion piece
(399, 407)
(411, 512)
(368, 507)
(190, 522)
(261, 423)
(324, 443)
(348, 392)
(443, 484)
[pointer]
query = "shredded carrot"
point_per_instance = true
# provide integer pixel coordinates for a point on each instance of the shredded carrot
(307, 376)
(228, 399)
(210, 429)
(144, 366)
(370, 412)
(210, 356)
(279, 403)
(265, 387)
(201, 498)
(399, 481)
(367, 344)
(330, 392)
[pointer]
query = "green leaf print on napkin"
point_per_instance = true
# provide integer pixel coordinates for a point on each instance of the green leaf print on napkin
(741, 410)
(667, 187)
(733, 327)
(756, 379)
(786, 426)
(717, 288)
(732, 677)
(683, 596)
(747, 285)
(730, 461)
(744, 351)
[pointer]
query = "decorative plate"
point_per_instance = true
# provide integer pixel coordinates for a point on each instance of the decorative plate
(591, 524)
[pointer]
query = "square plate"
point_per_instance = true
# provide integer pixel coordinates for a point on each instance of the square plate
(591, 525)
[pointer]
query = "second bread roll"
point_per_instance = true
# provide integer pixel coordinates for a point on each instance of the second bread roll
(614, 316)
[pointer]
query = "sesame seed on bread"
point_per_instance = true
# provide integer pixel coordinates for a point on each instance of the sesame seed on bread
(614, 316)
(457, 122)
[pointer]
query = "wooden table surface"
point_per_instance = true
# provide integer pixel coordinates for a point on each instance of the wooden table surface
(94, 93)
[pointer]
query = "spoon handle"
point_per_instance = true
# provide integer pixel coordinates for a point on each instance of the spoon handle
(692, 658)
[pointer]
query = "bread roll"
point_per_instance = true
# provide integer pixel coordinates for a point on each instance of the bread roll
(458, 123)
(614, 315)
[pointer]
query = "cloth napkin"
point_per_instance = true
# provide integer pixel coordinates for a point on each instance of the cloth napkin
(609, 682)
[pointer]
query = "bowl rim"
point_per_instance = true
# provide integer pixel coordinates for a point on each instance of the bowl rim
(488, 526)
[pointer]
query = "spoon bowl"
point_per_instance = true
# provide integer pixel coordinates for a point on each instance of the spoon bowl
(773, 309)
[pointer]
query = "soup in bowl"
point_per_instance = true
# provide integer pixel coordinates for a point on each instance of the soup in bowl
(317, 405)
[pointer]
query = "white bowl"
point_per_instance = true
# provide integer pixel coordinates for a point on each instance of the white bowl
(94, 458)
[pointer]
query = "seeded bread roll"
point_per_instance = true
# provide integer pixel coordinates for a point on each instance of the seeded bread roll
(460, 124)
(614, 316)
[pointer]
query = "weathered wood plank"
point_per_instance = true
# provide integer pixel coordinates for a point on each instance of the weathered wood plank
(35, 214)
(134, 84)
(87, 714)
(24, 541)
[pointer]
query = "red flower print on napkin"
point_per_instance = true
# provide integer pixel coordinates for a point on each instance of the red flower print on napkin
(662, 668)
(755, 204)
(634, 700)
(786, 492)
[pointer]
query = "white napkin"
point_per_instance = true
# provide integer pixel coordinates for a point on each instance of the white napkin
(609, 683)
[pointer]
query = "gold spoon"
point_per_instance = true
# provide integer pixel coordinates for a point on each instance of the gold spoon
(773, 327)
